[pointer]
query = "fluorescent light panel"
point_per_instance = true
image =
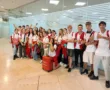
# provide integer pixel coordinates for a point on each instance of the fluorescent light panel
(80, 3)
(29, 13)
(44, 9)
(55, 2)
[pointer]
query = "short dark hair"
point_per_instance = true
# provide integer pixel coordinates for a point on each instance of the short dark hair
(23, 26)
(102, 22)
(88, 23)
(19, 26)
(80, 25)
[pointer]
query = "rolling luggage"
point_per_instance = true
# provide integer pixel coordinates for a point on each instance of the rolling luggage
(47, 63)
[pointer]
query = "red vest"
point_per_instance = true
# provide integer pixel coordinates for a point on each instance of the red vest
(81, 37)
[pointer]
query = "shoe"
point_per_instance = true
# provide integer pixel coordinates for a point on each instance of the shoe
(61, 63)
(67, 67)
(85, 71)
(69, 70)
(14, 57)
(81, 69)
(94, 77)
(91, 74)
(107, 84)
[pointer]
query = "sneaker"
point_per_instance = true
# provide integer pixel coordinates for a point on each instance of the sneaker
(69, 70)
(16, 56)
(94, 77)
(107, 84)
(41, 62)
(67, 67)
(91, 74)
(85, 71)
(61, 63)
(81, 70)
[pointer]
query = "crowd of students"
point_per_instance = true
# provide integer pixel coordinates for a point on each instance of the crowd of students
(88, 47)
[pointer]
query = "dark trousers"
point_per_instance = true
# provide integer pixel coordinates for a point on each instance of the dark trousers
(79, 53)
(60, 56)
(22, 51)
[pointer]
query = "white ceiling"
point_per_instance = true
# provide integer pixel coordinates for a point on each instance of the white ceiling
(18, 8)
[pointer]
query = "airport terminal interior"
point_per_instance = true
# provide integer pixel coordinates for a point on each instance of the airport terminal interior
(26, 73)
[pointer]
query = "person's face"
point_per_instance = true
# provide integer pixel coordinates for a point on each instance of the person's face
(23, 31)
(80, 28)
(44, 34)
(27, 27)
(34, 32)
(69, 29)
(88, 27)
(51, 40)
(64, 31)
(30, 30)
(102, 27)
(16, 31)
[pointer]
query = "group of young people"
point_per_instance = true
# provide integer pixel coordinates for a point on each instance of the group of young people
(88, 47)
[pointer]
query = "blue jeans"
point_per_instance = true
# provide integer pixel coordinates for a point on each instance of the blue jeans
(34, 53)
(15, 50)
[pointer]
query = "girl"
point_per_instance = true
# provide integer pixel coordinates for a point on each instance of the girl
(52, 53)
(15, 42)
(59, 51)
(40, 45)
(49, 33)
(64, 47)
(34, 45)
(30, 35)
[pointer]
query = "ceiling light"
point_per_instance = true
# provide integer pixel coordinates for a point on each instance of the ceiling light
(55, 2)
(80, 3)
(29, 13)
(70, 11)
(2, 6)
(101, 17)
(44, 9)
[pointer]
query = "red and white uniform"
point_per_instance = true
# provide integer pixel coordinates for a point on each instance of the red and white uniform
(90, 49)
(53, 55)
(79, 37)
(15, 39)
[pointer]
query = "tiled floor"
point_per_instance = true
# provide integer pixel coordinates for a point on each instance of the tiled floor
(25, 74)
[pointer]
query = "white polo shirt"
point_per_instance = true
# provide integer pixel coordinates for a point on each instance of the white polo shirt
(52, 54)
(103, 45)
(89, 48)
(70, 45)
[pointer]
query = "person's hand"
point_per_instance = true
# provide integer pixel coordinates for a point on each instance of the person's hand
(87, 43)
(79, 41)
(99, 36)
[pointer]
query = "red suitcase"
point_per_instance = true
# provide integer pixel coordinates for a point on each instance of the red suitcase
(47, 63)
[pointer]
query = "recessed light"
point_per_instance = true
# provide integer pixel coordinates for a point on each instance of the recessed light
(44, 9)
(55, 2)
(70, 11)
(29, 13)
(80, 3)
